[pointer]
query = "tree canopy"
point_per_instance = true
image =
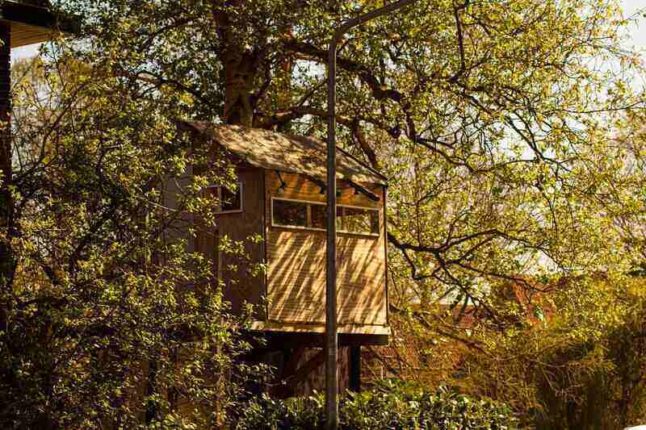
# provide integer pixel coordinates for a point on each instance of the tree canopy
(510, 131)
(494, 119)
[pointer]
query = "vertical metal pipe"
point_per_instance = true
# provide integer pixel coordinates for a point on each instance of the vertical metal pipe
(331, 335)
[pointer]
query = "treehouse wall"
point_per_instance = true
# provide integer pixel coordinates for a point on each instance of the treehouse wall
(241, 284)
(296, 261)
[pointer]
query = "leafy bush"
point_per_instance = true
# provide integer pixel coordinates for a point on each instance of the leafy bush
(390, 405)
(580, 368)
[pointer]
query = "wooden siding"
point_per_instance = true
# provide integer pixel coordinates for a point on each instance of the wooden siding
(296, 261)
(22, 34)
(240, 285)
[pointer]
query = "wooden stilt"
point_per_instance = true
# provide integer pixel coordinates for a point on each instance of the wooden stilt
(354, 382)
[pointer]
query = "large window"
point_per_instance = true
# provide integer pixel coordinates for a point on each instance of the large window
(227, 200)
(297, 213)
(312, 216)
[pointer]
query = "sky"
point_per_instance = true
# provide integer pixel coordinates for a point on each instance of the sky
(636, 36)
(638, 29)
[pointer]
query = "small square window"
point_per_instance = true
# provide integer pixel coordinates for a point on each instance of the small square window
(227, 200)
(231, 200)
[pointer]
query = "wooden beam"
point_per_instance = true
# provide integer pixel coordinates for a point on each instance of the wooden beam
(277, 339)
(355, 368)
(363, 190)
(372, 196)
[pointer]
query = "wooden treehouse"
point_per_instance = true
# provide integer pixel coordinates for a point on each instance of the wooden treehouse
(281, 197)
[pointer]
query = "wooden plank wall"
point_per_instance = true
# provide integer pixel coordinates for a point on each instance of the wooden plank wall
(23, 34)
(296, 261)
(240, 284)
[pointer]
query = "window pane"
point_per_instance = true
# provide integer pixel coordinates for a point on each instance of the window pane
(290, 213)
(319, 216)
(231, 201)
(213, 192)
(360, 220)
(374, 222)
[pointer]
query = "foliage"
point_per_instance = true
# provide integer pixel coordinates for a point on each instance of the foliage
(584, 366)
(111, 318)
(390, 405)
(495, 120)
(492, 118)
(561, 349)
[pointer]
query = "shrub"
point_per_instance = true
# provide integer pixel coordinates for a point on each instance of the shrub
(389, 405)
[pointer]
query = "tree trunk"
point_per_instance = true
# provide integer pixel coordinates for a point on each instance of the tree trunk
(240, 68)
(238, 81)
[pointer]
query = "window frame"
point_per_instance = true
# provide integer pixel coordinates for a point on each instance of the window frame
(309, 203)
(219, 210)
(361, 233)
(308, 219)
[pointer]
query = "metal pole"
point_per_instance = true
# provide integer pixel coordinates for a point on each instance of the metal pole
(331, 337)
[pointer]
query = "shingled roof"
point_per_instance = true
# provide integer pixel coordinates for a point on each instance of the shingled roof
(287, 153)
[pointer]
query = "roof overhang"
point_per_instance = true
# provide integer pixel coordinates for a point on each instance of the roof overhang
(32, 23)
(283, 152)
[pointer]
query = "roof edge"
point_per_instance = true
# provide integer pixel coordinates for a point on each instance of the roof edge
(195, 126)
(363, 163)
(37, 16)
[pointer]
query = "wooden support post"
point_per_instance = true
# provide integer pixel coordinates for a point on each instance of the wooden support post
(355, 368)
